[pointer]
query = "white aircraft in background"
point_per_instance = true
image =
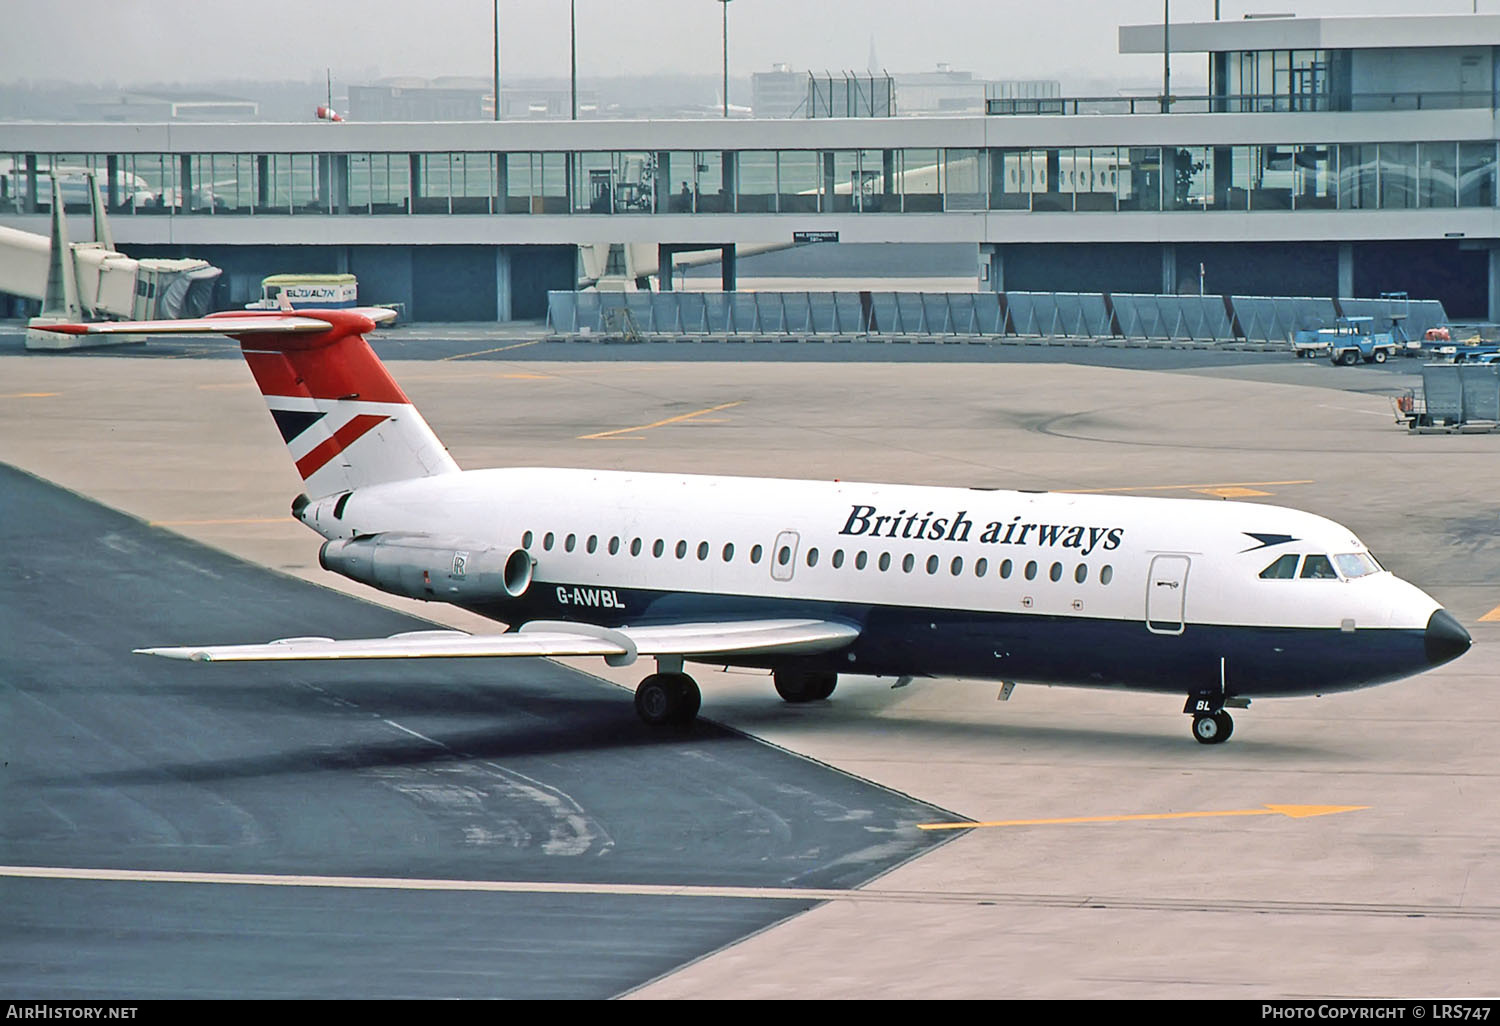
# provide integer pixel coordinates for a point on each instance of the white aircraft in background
(1217, 601)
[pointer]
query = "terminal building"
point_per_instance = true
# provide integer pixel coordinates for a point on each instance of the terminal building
(1323, 157)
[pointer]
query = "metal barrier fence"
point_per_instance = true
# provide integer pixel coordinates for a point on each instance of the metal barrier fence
(1459, 393)
(975, 314)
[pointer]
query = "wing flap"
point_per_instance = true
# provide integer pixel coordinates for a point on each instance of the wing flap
(783, 637)
(752, 637)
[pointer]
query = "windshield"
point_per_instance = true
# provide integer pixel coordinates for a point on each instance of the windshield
(1356, 564)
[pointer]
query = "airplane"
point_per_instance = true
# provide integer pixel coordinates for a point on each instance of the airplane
(1219, 601)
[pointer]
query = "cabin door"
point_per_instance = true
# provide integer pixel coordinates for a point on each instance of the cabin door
(784, 556)
(1166, 594)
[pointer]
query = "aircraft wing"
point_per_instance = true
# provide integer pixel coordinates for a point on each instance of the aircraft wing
(619, 646)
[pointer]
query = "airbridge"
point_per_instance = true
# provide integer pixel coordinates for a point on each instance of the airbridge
(1015, 315)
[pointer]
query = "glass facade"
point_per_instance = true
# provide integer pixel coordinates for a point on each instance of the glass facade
(1244, 81)
(1293, 177)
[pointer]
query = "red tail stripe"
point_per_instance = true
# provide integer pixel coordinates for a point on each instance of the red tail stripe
(346, 368)
(344, 437)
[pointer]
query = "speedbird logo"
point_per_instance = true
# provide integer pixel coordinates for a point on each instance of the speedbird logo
(868, 521)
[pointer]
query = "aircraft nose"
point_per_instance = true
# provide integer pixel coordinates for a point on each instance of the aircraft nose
(1446, 638)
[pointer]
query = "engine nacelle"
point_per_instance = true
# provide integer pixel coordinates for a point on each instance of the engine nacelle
(424, 567)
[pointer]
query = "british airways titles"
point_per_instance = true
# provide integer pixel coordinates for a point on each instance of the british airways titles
(867, 521)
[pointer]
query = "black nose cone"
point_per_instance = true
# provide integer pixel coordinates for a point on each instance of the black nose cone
(1446, 638)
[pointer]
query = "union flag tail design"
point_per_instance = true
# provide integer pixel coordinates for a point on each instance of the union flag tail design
(344, 419)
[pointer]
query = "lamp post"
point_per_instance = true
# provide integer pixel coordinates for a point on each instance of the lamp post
(726, 56)
(497, 60)
(1166, 56)
(573, 51)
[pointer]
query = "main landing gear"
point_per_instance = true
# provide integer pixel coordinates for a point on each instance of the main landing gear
(1212, 723)
(668, 698)
(797, 686)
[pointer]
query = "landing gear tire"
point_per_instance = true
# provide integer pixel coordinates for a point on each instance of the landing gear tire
(800, 686)
(1213, 730)
(664, 699)
(690, 697)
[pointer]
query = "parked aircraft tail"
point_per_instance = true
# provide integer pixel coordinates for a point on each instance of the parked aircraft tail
(344, 419)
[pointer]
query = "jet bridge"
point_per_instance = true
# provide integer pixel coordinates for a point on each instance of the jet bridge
(92, 281)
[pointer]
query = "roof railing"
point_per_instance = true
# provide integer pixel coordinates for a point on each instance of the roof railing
(1242, 103)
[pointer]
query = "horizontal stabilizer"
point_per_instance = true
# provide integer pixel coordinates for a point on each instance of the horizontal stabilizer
(751, 637)
(235, 323)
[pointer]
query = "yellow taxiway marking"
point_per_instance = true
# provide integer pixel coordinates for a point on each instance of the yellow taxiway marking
(1231, 492)
(1212, 489)
(226, 520)
(485, 352)
(618, 432)
(1294, 811)
(1493, 616)
(30, 395)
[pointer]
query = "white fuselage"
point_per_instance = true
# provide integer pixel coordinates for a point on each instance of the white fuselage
(1168, 579)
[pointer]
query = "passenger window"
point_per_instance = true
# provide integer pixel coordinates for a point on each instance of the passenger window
(1056, 572)
(635, 546)
(1284, 569)
(861, 560)
(728, 551)
(1081, 573)
(1031, 570)
(658, 547)
(526, 540)
(812, 557)
(838, 558)
(958, 565)
(572, 540)
(593, 543)
(1106, 574)
(614, 546)
(932, 564)
(1318, 568)
(681, 548)
(980, 566)
(784, 555)
(755, 551)
(885, 561)
(907, 562)
(1005, 568)
(547, 541)
(702, 550)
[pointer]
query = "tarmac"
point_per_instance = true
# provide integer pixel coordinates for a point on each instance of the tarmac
(1136, 863)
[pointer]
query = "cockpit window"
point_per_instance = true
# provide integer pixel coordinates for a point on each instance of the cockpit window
(1356, 564)
(1284, 569)
(1318, 568)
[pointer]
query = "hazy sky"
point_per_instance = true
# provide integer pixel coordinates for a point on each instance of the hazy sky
(129, 41)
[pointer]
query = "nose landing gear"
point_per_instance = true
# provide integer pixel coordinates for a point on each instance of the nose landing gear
(1212, 723)
(1213, 729)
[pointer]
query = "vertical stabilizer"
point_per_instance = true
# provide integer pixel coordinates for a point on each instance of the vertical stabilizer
(61, 297)
(344, 419)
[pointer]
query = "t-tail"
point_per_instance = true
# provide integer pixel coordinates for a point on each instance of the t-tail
(344, 419)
